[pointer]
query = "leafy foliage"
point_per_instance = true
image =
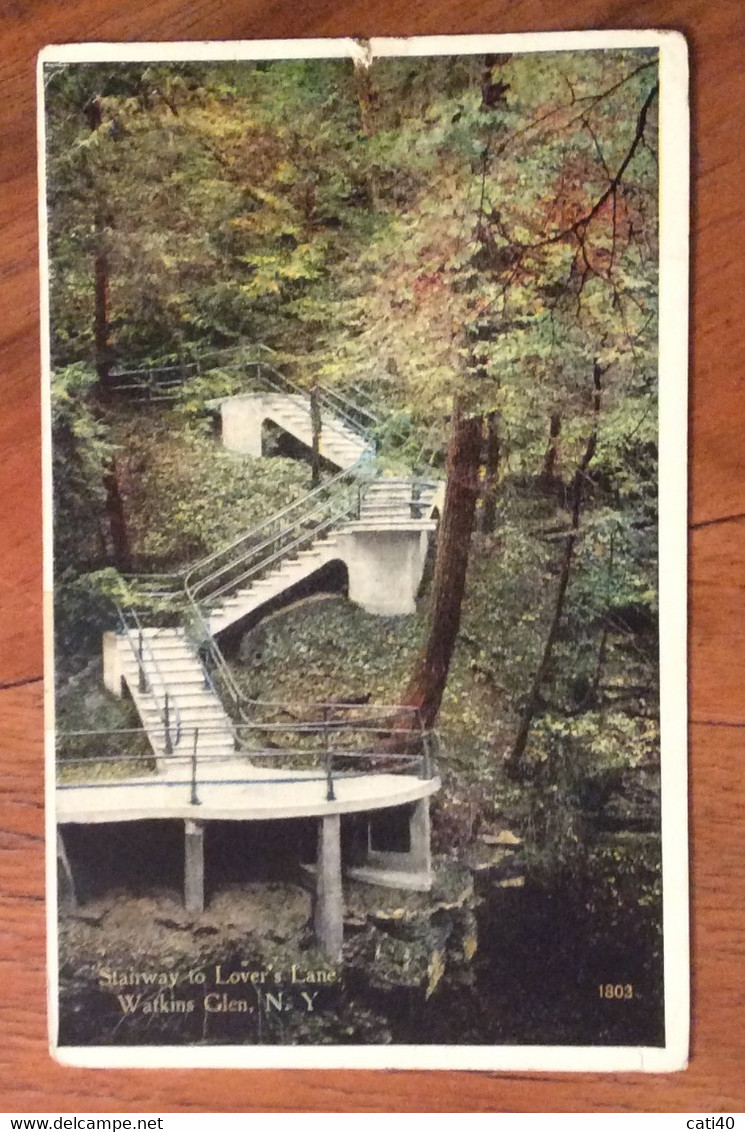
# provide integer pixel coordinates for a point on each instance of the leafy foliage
(480, 227)
(184, 495)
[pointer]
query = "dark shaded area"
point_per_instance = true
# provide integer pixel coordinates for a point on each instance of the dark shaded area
(256, 851)
(571, 962)
(139, 855)
(275, 441)
(536, 979)
(390, 831)
(145, 855)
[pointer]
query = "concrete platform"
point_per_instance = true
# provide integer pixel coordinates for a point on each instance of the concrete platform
(234, 790)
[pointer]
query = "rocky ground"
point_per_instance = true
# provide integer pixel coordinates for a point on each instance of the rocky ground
(396, 943)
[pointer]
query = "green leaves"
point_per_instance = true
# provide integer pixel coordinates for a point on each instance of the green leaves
(184, 495)
(447, 225)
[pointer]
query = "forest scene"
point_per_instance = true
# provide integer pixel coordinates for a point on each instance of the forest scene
(458, 255)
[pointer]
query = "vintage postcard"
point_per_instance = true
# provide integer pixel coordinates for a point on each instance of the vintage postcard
(364, 380)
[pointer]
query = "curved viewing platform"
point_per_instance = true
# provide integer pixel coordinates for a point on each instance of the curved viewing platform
(236, 790)
(201, 755)
(329, 786)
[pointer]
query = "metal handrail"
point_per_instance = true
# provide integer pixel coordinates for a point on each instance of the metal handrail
(254, 752)
(195, 589)
(170, 711)
(257, 538)
(325, 760)
(279, 545)
(354, 408)
(285, 543)
(261, 548)
(358, 417)
(245, 706)
(171, 585)
(203, 638)
(236, 355)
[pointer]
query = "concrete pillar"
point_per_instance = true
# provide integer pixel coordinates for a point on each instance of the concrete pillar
(329, 905)
(409, 869)
(194, 865)
(69, 897)
(420, 855)
(112, 665)
(385, 567)
(242, 420)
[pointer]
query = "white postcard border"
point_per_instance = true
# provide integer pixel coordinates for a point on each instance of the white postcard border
(673, 427)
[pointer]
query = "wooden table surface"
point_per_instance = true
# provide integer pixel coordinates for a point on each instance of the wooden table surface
(715, 1079)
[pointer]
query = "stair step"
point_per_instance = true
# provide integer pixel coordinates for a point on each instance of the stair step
(207, 746)
(187, 700)
(168, 648)
(184, 677)
(215, 709)
(183, 656)
(156, 631)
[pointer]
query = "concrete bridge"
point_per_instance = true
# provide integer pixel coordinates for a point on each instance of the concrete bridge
(211, 768)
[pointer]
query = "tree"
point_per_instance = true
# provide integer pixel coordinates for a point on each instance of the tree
(576, 495)
(525, 246)
(477, 232)
(429, 678)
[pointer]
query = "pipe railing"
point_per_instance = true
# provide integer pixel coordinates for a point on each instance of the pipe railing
(330, 764)
(326, 715)
(338, 496)
(162, 382)
(255, 553)
(234, 565)
(358, 417)
(270, 541)
(241, 561)
(149, 675)
(300, 523)
(320, 719)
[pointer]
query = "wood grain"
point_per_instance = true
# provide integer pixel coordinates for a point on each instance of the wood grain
(29, 1080)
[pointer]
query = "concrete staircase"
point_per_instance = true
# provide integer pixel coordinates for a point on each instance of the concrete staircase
(387, 505)
(338, 443)
(173, 669)
(237, 580)
(292, 570)
(243, 417)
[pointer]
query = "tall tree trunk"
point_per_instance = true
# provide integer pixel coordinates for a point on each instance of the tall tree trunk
(120, 550)
(603, 646)
(548, 471)
(367, 98)
(315, 424)
(101, 307)
(368, 104)
(489, 489)
(513, 763)
(94, 116)
(429, 678)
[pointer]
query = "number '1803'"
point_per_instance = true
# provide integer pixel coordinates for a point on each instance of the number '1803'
(616, 990)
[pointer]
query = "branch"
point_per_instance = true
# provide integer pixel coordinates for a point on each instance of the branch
(593, 99)
(641, 123)
(514, 760)
(581, 225)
